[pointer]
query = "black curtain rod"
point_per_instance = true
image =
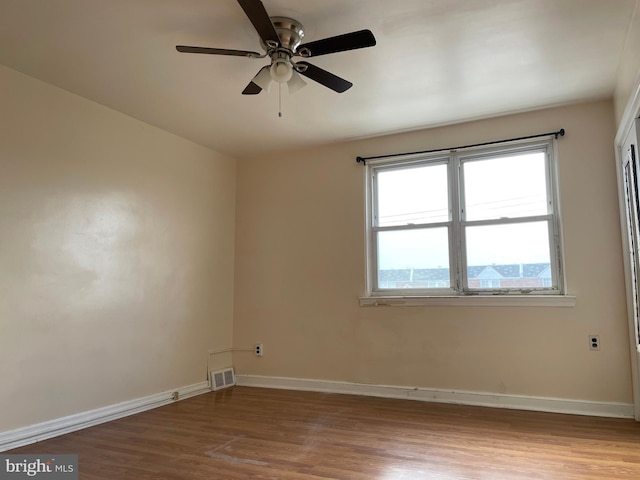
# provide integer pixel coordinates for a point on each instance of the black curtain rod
(559, 133)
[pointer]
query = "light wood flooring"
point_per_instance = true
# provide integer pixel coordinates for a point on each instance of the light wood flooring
(254, 433)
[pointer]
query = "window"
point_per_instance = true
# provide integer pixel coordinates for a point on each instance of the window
(473, 222)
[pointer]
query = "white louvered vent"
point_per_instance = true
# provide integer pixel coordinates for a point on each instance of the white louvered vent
(222, 379)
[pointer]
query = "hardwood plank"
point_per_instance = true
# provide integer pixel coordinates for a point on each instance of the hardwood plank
(254, 433)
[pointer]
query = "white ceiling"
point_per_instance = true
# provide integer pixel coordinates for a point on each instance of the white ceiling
(436, 62)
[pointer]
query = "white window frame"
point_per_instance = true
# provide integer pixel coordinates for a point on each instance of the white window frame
(456, 224)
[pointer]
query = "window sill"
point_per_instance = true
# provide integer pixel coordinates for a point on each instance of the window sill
(472, 301)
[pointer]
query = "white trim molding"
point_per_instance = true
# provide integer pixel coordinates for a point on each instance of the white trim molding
(60, 426)
(631, 112)
(515, 402)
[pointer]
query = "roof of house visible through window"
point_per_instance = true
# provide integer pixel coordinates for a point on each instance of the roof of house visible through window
(524, 270)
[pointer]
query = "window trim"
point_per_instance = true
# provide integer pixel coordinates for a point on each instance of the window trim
(510, 300)
(456, 224)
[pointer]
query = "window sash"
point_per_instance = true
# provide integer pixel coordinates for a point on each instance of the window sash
(471, 159)
(431, 162)
(553, 256)
(428, 291)
(457, 224)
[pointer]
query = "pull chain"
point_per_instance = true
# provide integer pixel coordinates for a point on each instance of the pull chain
(280, 100)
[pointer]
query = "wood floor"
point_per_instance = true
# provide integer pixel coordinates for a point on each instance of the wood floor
(253, 433)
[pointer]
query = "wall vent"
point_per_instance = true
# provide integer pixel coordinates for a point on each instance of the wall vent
(222, 379)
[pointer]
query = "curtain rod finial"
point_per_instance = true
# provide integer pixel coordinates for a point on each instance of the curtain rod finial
(360, 159)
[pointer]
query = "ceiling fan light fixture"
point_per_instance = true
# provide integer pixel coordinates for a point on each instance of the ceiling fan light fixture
(263, 79)
(281, 70)
(295, 83)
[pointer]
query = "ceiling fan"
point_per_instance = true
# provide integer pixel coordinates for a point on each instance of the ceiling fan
(281, 39)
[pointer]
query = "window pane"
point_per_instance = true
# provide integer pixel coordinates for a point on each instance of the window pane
(509, 256)
(412, 195)
(413, 258)
(505, 187)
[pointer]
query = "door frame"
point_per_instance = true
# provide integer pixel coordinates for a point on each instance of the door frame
(627, 123)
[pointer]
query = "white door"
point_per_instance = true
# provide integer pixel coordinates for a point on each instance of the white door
(630, 163)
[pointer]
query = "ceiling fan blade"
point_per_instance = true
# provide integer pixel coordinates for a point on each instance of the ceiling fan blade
(258, 83)
(251, 89)
(254, 9)
(217, 51)
(339, 43)
(325, 78)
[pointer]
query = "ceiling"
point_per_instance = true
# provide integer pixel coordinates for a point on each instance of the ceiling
(436, 62)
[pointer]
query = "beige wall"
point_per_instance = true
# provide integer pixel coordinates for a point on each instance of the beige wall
(116, 255)
(300, 270)
(628, 78)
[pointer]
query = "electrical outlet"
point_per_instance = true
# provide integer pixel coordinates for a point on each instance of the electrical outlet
(594, 342)
(259, 349)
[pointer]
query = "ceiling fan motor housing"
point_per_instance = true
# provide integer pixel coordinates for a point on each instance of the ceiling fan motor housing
(290, 32)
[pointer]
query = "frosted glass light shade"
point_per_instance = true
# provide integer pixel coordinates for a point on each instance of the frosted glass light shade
(296, 83)
(263, 79)
(281, 71)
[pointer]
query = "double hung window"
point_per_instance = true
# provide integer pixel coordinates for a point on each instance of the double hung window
(477, 221)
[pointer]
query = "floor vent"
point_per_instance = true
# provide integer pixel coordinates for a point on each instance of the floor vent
(222, 379)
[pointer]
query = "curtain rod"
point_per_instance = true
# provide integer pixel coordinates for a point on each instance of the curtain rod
(559, 133)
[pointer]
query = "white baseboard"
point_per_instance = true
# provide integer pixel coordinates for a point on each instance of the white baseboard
(60, 426)
(517, 402)
(53, 428)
